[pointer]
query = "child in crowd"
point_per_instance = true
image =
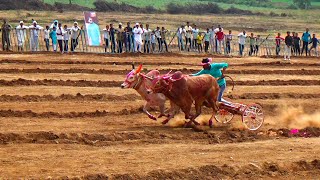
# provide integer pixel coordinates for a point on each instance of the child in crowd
(53, 36)
(314, 42)
(153, 41)
(258, 42)
(46, 37)
(252, 44)
(66, 38)
(199, 42)
(106, 37)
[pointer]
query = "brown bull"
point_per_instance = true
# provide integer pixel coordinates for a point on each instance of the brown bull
(184, 90)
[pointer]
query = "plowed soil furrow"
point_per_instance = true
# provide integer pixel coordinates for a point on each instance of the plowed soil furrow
(134, 97)
(164, 161)
(162, 71)
(84, 83)
(147, 136)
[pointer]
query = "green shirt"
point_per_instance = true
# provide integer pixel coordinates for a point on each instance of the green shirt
(215, 71)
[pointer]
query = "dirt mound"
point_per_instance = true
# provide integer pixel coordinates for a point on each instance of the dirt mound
(69, 97)
(248, 171)
(149, 135)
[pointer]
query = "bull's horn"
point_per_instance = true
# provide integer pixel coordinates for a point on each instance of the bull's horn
(169, 72)
(132, 65)
(148, 77)
(139, 69)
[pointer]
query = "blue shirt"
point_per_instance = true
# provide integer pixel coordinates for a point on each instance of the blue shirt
(306, 37)
(315, 42)
(215, 71)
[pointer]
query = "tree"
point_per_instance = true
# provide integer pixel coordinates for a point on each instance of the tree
(302, 4)
(70, 1)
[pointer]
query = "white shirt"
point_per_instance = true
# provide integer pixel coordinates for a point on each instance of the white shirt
(137, 34)
(195, 33)
(21, 32)
(242, 38)
(46, 33)
(74, 32)
(66, 35)
(157, 33)
(189, 31)
(34, 30)
(60, 33)
(106, 34)
(147, 33)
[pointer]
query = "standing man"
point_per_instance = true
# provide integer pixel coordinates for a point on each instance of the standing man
(207, 36)
(220, 38)
(74, 36)
(147, 39)
(66, 38)
(252, 44)
(60, 33)
(46, 37)
(6, 28)
(188, 29)
(120, 38)
(181, 34)
(296, 44)
(242, 41)
(130, 37)
(287, 49)
(137, 31)
(306, 38)
(21, 31)
(34, 36)
(195, 32)
(158, 36)
(106, 37)
(228, 42)
(163, 38)
(112, 38)
(278, 44)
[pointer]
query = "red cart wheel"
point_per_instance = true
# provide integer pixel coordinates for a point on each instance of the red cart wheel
(223, 116)
(253, 117)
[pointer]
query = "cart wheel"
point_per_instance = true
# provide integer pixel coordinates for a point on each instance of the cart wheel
(223, 116)
(253, 117)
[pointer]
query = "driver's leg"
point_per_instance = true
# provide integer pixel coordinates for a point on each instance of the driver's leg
(221, 91)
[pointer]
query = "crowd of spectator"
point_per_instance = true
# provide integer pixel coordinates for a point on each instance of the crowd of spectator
(143, 39)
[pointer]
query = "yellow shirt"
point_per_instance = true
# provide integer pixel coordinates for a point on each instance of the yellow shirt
(199, 39)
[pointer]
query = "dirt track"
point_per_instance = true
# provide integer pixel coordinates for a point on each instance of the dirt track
(65, 117)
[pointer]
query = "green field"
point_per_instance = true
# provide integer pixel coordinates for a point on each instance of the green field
(162, 3)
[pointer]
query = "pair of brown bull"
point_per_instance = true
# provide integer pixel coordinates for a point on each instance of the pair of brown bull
(181, 90)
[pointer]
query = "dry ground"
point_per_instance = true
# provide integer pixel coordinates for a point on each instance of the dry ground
(65, 116)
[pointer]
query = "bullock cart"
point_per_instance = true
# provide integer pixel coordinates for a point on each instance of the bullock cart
(252, 114)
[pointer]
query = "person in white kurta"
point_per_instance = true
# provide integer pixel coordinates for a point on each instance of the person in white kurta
(137, 31)
(34, 36)
(21, 35)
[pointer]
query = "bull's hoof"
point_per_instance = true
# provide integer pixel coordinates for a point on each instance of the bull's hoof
(196, 123)
(152, 117)
(161, 115)
(188, 124)
(165, 121)
(210, 124)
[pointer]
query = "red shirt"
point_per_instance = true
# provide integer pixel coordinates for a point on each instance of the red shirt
(278, 40)
(220, 35)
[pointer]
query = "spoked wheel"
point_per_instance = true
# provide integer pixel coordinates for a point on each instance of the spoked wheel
(253, 117)
(223, 116)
